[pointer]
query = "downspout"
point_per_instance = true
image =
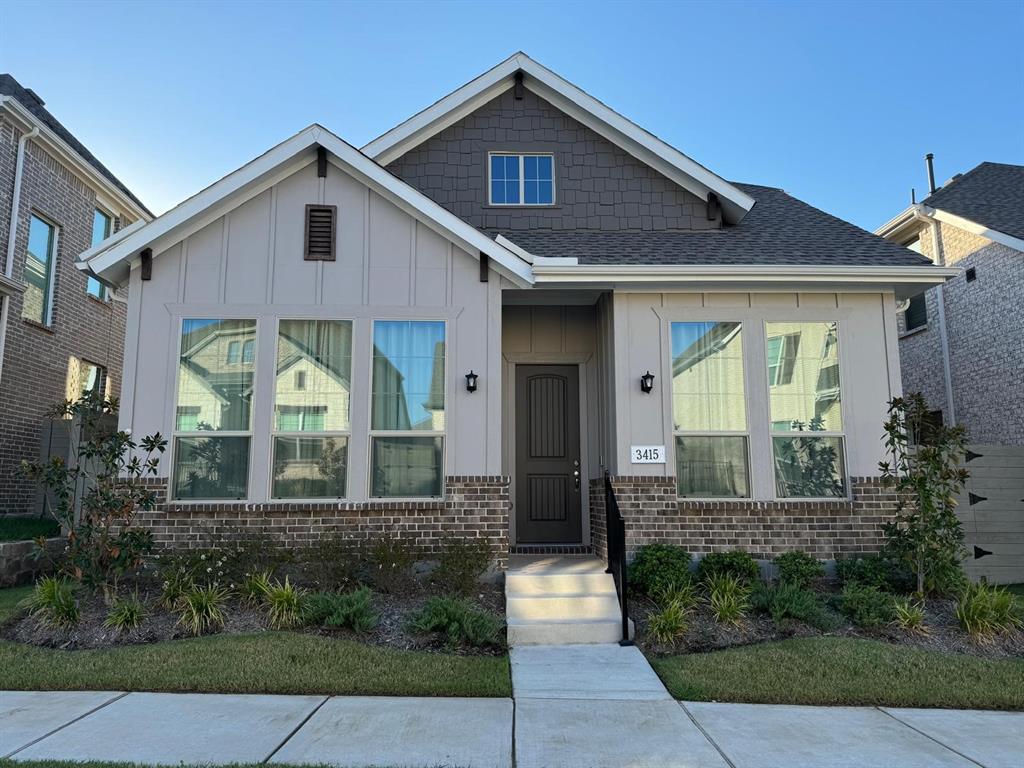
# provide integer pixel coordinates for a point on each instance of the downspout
(12, 237)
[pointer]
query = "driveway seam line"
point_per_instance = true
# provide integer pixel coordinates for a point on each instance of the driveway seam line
(707, 736)
(295, 730)
(929, 736)
(65, 725)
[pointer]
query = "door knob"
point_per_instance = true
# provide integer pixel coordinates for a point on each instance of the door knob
(576, 478)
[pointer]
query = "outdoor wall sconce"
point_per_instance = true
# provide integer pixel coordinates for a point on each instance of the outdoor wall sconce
(647, 382)
(471, 381)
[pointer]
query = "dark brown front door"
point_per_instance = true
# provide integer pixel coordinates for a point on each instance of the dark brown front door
(548, 493)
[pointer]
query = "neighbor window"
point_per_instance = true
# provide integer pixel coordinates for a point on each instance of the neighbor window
(85, 379)
(522, 179)
(213, 416)
(407, 413)
(916, 314)
(312, 390)
(38, 277)
(806, 413)
(100, 231)
(709, 410)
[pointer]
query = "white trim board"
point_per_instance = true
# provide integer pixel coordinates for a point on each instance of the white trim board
(576, 103)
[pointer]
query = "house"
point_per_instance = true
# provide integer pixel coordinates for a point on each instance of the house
(60, 333)
(459, 328)
(960, 343)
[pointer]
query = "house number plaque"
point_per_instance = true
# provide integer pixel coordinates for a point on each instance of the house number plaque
(647, 454)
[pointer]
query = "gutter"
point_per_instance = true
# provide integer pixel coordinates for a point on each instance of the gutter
(12, 237)
(732, 273)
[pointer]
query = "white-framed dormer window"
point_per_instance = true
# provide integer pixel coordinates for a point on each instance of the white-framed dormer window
(101, 228)
(521, 178)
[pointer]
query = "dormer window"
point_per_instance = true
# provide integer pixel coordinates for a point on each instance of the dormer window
(522, 179)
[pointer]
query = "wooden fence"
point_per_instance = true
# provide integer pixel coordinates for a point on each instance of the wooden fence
(991, 509)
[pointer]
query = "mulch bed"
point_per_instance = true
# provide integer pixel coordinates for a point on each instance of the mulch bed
(705, 634)
(394, 611)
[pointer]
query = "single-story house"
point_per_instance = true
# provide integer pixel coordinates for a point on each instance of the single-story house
(461, 327)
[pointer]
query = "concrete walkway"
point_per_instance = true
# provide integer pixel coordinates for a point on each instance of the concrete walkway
(561, 717)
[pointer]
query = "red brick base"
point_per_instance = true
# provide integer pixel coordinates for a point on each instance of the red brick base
(473, 506)
(825, 529)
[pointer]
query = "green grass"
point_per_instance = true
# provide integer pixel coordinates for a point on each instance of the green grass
(844, 671)
(1017, 589)
(27, 528)
(268, 662)
(9, 599)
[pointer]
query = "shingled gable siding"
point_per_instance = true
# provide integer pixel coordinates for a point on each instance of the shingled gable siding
(36, 357)
(474, 506)
(598, 185)
(824, 529)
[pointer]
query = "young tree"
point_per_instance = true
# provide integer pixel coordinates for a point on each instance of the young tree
(926, 475)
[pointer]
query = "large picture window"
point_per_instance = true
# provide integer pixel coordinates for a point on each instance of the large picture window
(806, 411)
(213, 412)
(407, 412)
(709, 410)
(312, 390)
(38, 275)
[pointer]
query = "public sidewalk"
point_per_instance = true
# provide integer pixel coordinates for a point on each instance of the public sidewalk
(578, 706)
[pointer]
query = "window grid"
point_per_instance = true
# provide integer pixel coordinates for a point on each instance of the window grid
(521, 179)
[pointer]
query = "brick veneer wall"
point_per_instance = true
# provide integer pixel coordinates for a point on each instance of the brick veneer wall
(825, 529)
(36, 357)
(473, 506)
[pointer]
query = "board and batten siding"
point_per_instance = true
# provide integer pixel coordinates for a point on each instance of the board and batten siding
(868, 362)
(249, 264)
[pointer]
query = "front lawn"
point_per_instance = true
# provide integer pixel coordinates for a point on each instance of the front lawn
(844, 671)
(9, 599)
(27, 528)
(267, 662)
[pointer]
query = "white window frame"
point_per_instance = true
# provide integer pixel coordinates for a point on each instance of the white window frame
(104, 294)
(372, 433)
(772, 434)
(712, 433)
(522, 180)
(347, 434)
(175, 434)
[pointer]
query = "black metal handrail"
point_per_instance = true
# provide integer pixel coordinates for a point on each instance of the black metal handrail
(616, 539)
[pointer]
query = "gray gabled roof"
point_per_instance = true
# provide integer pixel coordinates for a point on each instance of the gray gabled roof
(779, 229)
(30, 101)
(990, 194)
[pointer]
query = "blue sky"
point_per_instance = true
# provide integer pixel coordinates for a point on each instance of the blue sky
(834, 102)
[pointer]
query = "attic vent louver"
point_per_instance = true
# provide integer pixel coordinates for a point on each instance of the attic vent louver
(320, 235)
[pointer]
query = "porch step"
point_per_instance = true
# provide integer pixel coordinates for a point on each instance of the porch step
(559, 600)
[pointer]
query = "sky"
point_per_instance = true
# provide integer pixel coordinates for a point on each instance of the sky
(836, 103)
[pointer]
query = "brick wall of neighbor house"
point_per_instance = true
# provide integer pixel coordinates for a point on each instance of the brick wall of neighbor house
(35, 357)
(985, 327)
(826, 529)
(473, 506)
(597, 185)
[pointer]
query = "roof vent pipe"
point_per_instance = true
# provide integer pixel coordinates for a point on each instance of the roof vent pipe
(931, 172)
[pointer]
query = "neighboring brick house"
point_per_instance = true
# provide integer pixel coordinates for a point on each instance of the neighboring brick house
(60, 330)
(975, 222)
(506, 297)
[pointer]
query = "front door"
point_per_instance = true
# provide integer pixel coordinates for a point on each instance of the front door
(548, 494)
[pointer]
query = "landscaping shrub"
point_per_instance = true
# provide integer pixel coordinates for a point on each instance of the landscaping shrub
(202, 609)
(667, 623)
(389, 561)
(333, 563)
(461, 623)
(737, 563)
(255, 587)
(27, 528)
(176, 584)
(659, 567)
(125, 614)
(878, 571)
(909, 615)
(682, 593)
(788, 601)
(348, 610)
(867, 606)
(799, 568)
(284, 603)
(728, 597)
(462, 563)
(53, 602)
(984, 610)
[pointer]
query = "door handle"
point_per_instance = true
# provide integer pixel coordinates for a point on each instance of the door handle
(576, 479)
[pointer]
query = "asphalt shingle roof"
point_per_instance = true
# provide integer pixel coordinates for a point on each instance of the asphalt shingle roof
(779, 229)
(11, 87)
(990, 194)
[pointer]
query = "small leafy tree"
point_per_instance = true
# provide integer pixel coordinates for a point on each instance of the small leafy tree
(926, 533)
(96, 498)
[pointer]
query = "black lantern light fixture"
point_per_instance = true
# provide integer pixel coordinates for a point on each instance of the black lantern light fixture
(471, 381)
(647, 382)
